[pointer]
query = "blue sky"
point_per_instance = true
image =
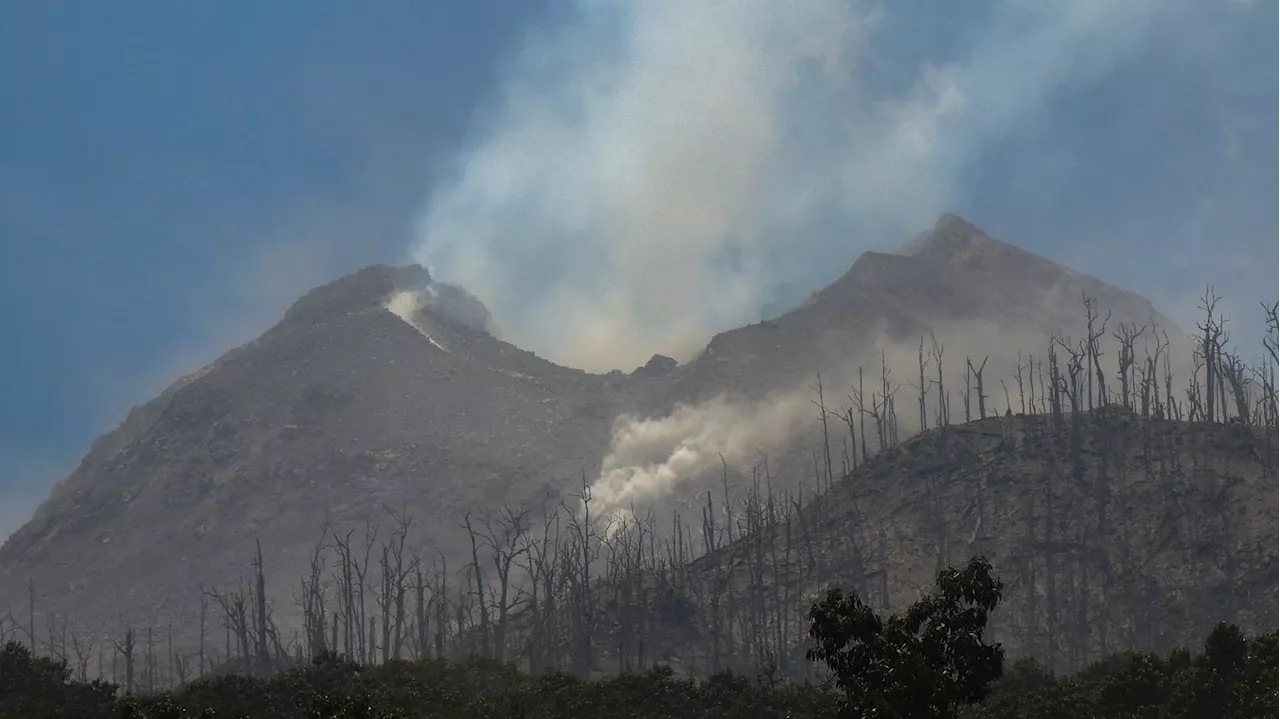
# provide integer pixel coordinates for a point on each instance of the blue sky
(172, 175)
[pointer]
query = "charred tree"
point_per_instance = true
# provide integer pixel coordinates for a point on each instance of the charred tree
(976, 373)
(1211, 330)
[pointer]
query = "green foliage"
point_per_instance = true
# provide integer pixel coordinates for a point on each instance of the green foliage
(1232, 677)
(38, 688)
(924, 663)
(333, 688)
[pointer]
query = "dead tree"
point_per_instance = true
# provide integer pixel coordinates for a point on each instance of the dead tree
(1055, 384)
(847, 417)
(5, 622)
(1211, 330)
(1174, 410)
(182, 669)
(260, 612)
(394, 585)
(83, 651)
(1127, 335)
(478, 584)
(1271, 340)
(728, 502)
(1094, 332)
(1017, 376)
(977, 377)
(126, 649)
(922, 390)
(237, 622)
(57, 649)
(1150, 380)
(1265, 372)
(346, 592)
(204, 609)
(149, 663)
(505, 543)
(421, 630)
(710, 531)
(464, 634)
(169, 649)
(440, 599)
(539, 564)
(1194, 392)
(1235, 372)
(856, 400)
(943, 410)
(314, 599)
(882, 406)
(823, 414)
(31, 617)
(582, 549)
(361, 569)
(967, 395)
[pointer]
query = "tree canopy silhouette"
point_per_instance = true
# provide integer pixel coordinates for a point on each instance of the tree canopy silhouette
(924, 663)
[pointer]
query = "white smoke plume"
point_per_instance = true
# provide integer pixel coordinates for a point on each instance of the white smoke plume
(649, 457)
(652, 171)
(406, 304)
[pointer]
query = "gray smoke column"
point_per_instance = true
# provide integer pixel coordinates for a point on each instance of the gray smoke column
(650, 171)
(649, 457)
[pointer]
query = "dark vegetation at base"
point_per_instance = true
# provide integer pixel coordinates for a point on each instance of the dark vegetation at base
(931, 662)
(1125, 512)
(1231, 677)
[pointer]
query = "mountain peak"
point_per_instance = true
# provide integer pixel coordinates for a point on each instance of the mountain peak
(956, 243)
(361, 290)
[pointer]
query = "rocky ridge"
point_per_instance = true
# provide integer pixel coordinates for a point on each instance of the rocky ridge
(343, 410)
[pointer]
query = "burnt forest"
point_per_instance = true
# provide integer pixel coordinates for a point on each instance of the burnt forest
(639, 359)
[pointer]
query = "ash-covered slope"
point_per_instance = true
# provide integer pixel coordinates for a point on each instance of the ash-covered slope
(1115, 532)
(979, 295)
(344, 408)
(980, 298)
(341, 408)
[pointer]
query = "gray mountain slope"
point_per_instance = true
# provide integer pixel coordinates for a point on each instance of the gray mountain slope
(343, 409)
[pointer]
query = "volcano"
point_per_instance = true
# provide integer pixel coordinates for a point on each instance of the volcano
(385, 393)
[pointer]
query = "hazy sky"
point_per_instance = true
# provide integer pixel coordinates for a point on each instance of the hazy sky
(172, 175)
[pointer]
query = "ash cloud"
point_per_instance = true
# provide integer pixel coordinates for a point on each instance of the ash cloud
(653, 171)
(652, 460)
(650, 457)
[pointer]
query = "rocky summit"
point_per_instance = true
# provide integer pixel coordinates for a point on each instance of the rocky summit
(387, 394)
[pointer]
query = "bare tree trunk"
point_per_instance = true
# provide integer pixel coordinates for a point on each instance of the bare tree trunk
(982, 397)
(479, 586)
(944, 410)
(1211, 338)
(826, 437)
(1091, 350)
(260, 599)
(506, 544)
(31, 617)
(126, 649)
(204, 609)
(1128, 336)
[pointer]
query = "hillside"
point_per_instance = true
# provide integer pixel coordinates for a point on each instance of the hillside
(974, 291)
(1119, 532)
(339, 410)
(367, 399)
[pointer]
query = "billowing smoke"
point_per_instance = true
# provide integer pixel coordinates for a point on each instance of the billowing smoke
(652, 171)
(649, 457)
(448, 301)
